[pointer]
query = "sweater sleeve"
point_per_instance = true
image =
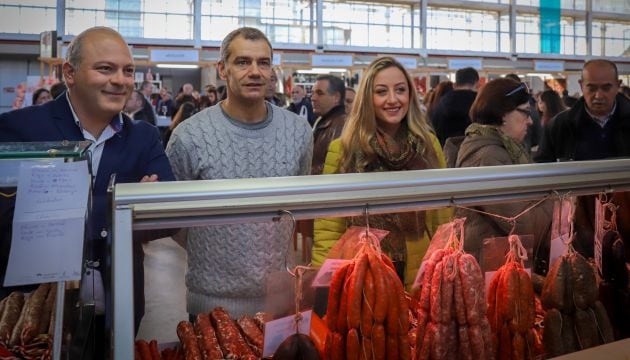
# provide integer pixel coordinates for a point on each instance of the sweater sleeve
(306, 158)
(328, 230)
(179, 150)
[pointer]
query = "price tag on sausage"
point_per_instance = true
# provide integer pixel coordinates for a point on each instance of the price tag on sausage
(325, 273)
(276, 331)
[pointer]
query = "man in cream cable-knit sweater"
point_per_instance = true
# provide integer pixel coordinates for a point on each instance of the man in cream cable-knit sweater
(241, 137)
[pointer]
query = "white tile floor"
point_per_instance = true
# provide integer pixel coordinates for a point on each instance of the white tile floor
(165, 290)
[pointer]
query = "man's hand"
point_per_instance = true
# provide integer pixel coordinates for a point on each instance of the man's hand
(149, 178)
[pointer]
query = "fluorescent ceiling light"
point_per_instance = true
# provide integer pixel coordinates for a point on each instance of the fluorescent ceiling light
(178, 66)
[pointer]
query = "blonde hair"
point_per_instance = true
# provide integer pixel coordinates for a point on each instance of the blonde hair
(361, 126)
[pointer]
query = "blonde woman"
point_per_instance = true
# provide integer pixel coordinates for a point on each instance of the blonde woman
(385, 131)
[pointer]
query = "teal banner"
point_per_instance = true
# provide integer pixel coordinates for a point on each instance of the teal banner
(550, 26)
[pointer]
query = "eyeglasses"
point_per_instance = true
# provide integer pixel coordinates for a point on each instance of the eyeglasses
(522, 86)
(527, 112)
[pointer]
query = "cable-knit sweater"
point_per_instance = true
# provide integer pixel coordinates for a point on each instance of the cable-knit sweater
(228, 265)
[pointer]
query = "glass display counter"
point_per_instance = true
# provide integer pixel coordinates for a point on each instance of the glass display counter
(11, 156)
(211, 202)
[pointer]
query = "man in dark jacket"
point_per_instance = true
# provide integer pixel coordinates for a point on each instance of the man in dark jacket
(596, 127)
(328, 104)
(99, 73)
(450, 117)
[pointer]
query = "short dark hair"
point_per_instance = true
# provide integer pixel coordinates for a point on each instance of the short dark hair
(57, 89)
(38, 93)
(602, 62)
(145, 83)
(513, 77)
(248, 33)
(335, 85)
(492, 101)
(466, 76)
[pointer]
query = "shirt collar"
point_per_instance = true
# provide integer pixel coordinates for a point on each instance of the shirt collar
(602, 120)
(116, 123)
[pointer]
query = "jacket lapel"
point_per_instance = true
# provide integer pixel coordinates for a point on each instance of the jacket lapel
(64, 121)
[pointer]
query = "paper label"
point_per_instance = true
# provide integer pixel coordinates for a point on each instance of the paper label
(276, 331)
(49, 223)
(325, 273)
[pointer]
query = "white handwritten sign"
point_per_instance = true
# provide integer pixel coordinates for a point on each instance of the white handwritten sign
(49, 221)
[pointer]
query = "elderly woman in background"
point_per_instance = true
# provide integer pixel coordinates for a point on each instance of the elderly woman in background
(385, 131)
(500, 117)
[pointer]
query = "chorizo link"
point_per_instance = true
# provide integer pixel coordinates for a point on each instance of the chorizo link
(380, 303)
(356, 292)
(11, 314)
(334, 296)
(367, 308)
(352, 345)
(34, 313)
(251, 333)
(188, 339)
(207, 338)
(229, 337)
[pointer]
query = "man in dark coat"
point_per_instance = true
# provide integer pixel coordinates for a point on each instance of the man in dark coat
(596, 127)
(450, 117)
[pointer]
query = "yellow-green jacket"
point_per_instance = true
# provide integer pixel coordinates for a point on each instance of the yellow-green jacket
(327, 231)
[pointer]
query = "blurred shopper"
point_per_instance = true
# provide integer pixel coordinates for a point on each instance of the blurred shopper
(501, 115)
(243, 136)
(146, 88)
(625, 90)
(212, 94)
(166, 105)
(301, 104)
(443, 88)
(184, 112)
(271, 93)
(549, 105)
(137, 108)
(386, 131)
(91, 109)
(596, 127)
(450, 117)
(41, 96)
(350, 95)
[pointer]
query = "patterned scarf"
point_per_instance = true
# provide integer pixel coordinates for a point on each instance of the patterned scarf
(401, 152)
(518, 154)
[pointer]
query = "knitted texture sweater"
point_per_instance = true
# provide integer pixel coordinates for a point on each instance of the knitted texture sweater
(228, 265)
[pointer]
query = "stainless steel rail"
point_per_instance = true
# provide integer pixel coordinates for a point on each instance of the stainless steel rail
(196, 203)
